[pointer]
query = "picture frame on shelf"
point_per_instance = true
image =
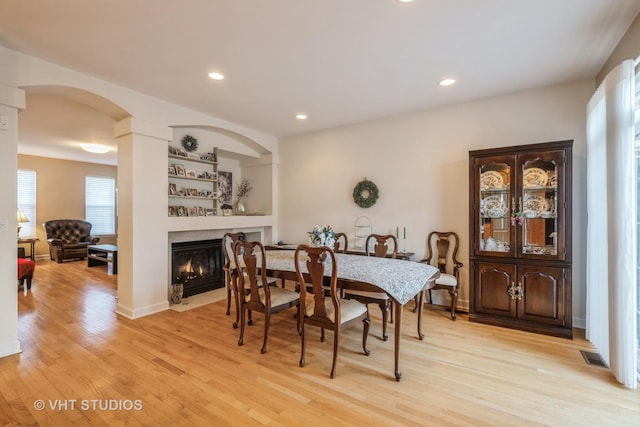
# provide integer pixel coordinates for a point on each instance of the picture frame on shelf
(191, 173)
(173, 150)
(181, 211)
(192, 211)
(172, 170)
(173, 211)
(193, 192)
(179, 170)
(201, 211)
(225, 187)
(173, 190)
(211, 212)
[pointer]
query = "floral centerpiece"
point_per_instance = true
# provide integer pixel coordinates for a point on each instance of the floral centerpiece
(322, 236)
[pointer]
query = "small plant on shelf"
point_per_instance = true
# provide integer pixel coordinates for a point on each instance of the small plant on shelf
(244, 188)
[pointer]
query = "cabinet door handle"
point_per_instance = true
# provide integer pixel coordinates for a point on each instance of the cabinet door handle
(515, 292)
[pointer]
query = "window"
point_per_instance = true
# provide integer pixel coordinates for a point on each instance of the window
(100, 204)
(27, 201)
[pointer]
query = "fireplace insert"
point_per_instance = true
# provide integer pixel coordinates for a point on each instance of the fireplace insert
(197, 265)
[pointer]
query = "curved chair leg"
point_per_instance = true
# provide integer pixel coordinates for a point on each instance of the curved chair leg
(415, 300)
(304, 342)
(421, 305)
(365, 334)
(336, 345)
(321, 334)
(227, 283)
(236, 297)
(454, 299)
(384, 307)
(267, 321)
(242, 322)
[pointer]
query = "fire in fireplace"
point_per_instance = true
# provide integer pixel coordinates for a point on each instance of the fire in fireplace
(197, 265)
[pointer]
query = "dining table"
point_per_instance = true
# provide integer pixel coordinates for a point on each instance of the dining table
(401, 280)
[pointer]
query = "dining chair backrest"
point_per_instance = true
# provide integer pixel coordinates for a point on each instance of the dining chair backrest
(337, 246)
(442, 252)
(380, 244)
(228, 240)
(315, 258)
(245, 255)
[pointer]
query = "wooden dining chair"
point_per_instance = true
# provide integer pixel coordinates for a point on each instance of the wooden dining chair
(442, 247)
(341, 247)
(326, 312)
(231, 274)
(378, 245)
(260, 296)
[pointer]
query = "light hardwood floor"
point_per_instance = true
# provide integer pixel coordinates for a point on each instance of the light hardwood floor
(187, 369)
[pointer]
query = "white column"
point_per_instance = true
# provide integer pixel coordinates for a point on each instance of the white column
(142, 217)
(11, 100)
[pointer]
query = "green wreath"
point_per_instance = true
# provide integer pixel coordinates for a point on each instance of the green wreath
(190, 143)
(365, 193)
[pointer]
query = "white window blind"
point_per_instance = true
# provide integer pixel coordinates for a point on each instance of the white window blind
(27, 201)
(100, 204)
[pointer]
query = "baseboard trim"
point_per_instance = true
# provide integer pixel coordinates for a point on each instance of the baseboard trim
(10, 347)
(141, 312)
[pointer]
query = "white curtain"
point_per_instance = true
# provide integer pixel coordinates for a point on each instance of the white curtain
(611, 230)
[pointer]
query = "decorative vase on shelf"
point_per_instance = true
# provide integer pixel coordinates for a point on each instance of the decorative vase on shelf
(238, 207)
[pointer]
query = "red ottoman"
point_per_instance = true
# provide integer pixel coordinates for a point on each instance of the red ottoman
(25, 271)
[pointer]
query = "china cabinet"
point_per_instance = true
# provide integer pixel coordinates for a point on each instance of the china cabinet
(193, 183)
(520, 243)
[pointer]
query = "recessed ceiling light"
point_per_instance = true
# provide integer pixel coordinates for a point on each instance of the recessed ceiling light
(301, 116)
(95, 148)
(216, 76)
(406, 1)
(447, 82)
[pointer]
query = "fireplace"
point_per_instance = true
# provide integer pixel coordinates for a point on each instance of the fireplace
(198, 265)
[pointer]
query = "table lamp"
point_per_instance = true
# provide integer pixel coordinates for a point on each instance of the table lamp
(21, 218)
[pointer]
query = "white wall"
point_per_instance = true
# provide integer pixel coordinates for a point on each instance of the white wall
(419, 162)
(11, 100)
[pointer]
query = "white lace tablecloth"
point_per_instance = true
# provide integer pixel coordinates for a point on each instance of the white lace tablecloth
(402, 280)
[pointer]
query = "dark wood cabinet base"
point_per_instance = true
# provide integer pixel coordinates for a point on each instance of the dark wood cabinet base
(555, 331)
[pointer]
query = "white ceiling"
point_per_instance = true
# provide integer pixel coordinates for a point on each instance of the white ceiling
(340, 61)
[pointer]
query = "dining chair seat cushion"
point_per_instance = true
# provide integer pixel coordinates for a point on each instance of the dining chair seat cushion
(368, 294)
(279, 296)
(446, 280)
(349, 309)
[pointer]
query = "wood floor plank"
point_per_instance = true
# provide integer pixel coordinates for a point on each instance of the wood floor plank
(187, 369)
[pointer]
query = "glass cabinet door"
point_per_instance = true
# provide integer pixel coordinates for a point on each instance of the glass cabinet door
(495, 206)
(538, 213)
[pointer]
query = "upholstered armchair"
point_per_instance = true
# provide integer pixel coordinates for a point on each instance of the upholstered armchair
(68, 238)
